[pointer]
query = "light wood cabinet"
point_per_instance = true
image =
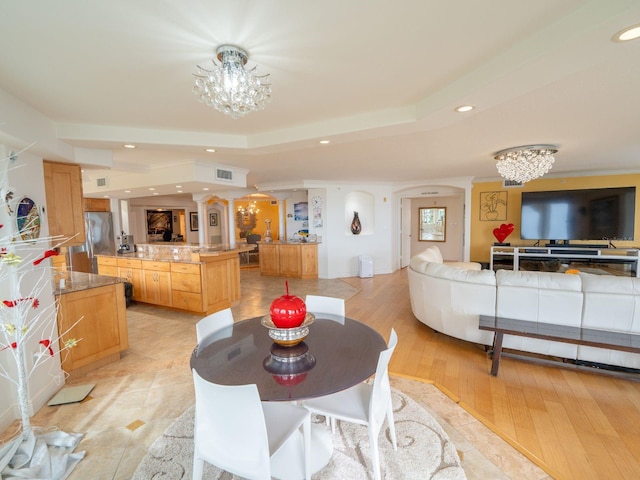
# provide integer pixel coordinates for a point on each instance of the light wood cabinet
(107, 266)
(186, 286)
(269, 258)
(296, 260)
(156, 280)
(96, 205)
(131, 270)
(206, 286)
(101, 326)
(63, 190)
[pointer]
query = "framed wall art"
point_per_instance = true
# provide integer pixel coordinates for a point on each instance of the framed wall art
(193, 221)
(493, 206)
(213, 219)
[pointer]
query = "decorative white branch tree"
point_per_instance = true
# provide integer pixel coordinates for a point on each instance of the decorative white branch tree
(24, 321)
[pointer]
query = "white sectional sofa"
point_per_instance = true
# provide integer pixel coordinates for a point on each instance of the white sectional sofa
(450, 297)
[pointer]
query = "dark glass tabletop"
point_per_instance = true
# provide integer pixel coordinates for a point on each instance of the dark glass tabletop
(338, 353)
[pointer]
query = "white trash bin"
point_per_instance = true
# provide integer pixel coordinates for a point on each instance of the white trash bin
(365, 266)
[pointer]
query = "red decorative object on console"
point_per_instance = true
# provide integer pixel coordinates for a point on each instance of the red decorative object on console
(288, 311)
(503, 232)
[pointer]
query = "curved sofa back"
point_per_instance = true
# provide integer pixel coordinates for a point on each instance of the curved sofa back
(449, 299)
(540, 297)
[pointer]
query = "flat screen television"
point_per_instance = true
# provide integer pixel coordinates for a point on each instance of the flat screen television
(598, 214)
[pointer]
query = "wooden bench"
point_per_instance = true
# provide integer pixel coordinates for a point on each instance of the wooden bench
(560, 333)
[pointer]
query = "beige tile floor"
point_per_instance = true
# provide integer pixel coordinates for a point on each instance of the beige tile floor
(138, 397)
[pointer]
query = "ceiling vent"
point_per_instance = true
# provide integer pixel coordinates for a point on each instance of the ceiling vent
(101, 182)
(511, 183)
(224, 174)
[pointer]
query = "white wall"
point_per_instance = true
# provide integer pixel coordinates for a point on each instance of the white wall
(339, 251)
(28, 180)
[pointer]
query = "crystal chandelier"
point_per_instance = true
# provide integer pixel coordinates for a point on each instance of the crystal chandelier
(228, 87)
(525, 163)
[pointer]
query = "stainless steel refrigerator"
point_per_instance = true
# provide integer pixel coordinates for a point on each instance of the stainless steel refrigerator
(100, 241)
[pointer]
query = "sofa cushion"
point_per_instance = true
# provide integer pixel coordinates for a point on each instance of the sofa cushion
(458, 274)
(431, 254)
(539, 280)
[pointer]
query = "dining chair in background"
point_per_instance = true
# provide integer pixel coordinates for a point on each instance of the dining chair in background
(365, 404)
(320, 304)
(212, 323)
(238, 433)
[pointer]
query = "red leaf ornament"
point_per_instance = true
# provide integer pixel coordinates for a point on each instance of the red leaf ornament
(503, 232)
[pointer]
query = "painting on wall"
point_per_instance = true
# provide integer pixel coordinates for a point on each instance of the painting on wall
(213, 219)
(193, 221)
(158, 222)
(493, 206)
(301, 211)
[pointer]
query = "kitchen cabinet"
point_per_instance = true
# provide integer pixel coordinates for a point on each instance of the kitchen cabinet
(295, 260)
(204, 286)
(131, 270)
(96, 205)
(97, 318)
(156, 280)
(108, 266)
(63, 191)
(186, 286)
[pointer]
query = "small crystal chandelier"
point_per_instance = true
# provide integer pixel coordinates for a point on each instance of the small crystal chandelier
(228, 87)
(525, 163)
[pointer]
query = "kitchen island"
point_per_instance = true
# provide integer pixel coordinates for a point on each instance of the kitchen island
(197, 279)
(92, 310)
(289, 259)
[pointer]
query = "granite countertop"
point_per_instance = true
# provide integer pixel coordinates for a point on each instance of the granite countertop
(78, 281)
(169, 252)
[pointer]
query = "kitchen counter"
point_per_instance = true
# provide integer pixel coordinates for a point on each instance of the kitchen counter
(77, 281)
(289, 259)
(202, 280)
(92, 310)
(172, 252)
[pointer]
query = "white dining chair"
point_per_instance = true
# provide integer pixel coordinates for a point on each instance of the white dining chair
(331, 305)
(238, 433)
(364, 404)
(212, 323)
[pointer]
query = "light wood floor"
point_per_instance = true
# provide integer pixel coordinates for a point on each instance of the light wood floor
(580, 425)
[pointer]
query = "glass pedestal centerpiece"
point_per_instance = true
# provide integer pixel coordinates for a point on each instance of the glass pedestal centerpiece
(288, 324)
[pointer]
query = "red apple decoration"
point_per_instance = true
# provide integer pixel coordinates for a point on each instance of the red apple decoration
(288, 311)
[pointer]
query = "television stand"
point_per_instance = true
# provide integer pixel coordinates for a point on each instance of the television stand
(513, 256)
(582, 245)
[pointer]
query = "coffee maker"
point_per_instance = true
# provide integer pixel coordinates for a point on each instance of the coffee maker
(125, 244)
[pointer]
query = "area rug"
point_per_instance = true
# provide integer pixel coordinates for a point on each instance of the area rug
(424, 450)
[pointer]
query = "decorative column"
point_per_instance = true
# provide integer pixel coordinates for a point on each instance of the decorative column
(231, 217)
(203, 224)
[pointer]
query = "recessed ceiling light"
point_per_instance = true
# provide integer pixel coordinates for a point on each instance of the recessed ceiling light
(629, 33)
(179, 191)
(127, 191)
(151, 188)
(129, 146)
(325, 142)
(105, 196)
(464, 108)
(210, 150)
(178, 186)
(156, 193)
(205, 188)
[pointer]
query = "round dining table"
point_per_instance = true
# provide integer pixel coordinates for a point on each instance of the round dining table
(338, 352)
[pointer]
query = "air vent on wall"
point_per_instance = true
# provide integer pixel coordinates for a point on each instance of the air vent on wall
(224, 174)
(101, 182)
(510, 183)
